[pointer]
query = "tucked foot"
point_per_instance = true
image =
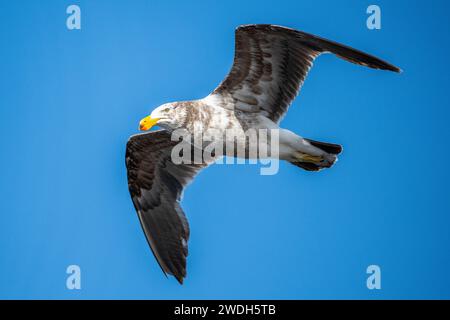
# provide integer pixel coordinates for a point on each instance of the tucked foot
(313, 163)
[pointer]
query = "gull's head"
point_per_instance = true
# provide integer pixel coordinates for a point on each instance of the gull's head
(162, 116)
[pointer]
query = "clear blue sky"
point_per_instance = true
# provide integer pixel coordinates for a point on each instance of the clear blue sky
(70, 99)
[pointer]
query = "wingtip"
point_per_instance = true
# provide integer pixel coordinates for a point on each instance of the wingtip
(180, 279)
(377, 63)
(394, 69)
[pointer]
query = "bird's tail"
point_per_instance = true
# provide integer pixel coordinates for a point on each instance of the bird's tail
(316, 163)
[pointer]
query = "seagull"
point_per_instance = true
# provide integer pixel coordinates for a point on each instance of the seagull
(270, 64)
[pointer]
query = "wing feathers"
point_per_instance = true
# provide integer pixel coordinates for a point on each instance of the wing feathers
(345, 52)
(156, 186)
(271, 63)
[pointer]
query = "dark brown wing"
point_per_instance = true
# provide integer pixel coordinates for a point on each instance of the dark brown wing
(271, 63)
(156, 185)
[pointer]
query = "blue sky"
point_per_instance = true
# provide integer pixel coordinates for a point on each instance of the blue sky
(70, 100)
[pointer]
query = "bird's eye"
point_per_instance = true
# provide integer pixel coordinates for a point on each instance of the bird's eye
(166, 110)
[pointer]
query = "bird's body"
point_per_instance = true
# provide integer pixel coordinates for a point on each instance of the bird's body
(207, 119)
(270, 65)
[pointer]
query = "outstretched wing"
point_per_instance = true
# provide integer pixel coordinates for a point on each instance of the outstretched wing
(156, 185)
(271, 63)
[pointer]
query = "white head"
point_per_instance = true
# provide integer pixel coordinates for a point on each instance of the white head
(164, 116)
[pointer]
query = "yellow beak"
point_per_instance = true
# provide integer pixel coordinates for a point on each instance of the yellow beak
(147, 123)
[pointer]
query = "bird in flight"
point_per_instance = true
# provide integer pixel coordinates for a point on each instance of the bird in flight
(270, 64)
